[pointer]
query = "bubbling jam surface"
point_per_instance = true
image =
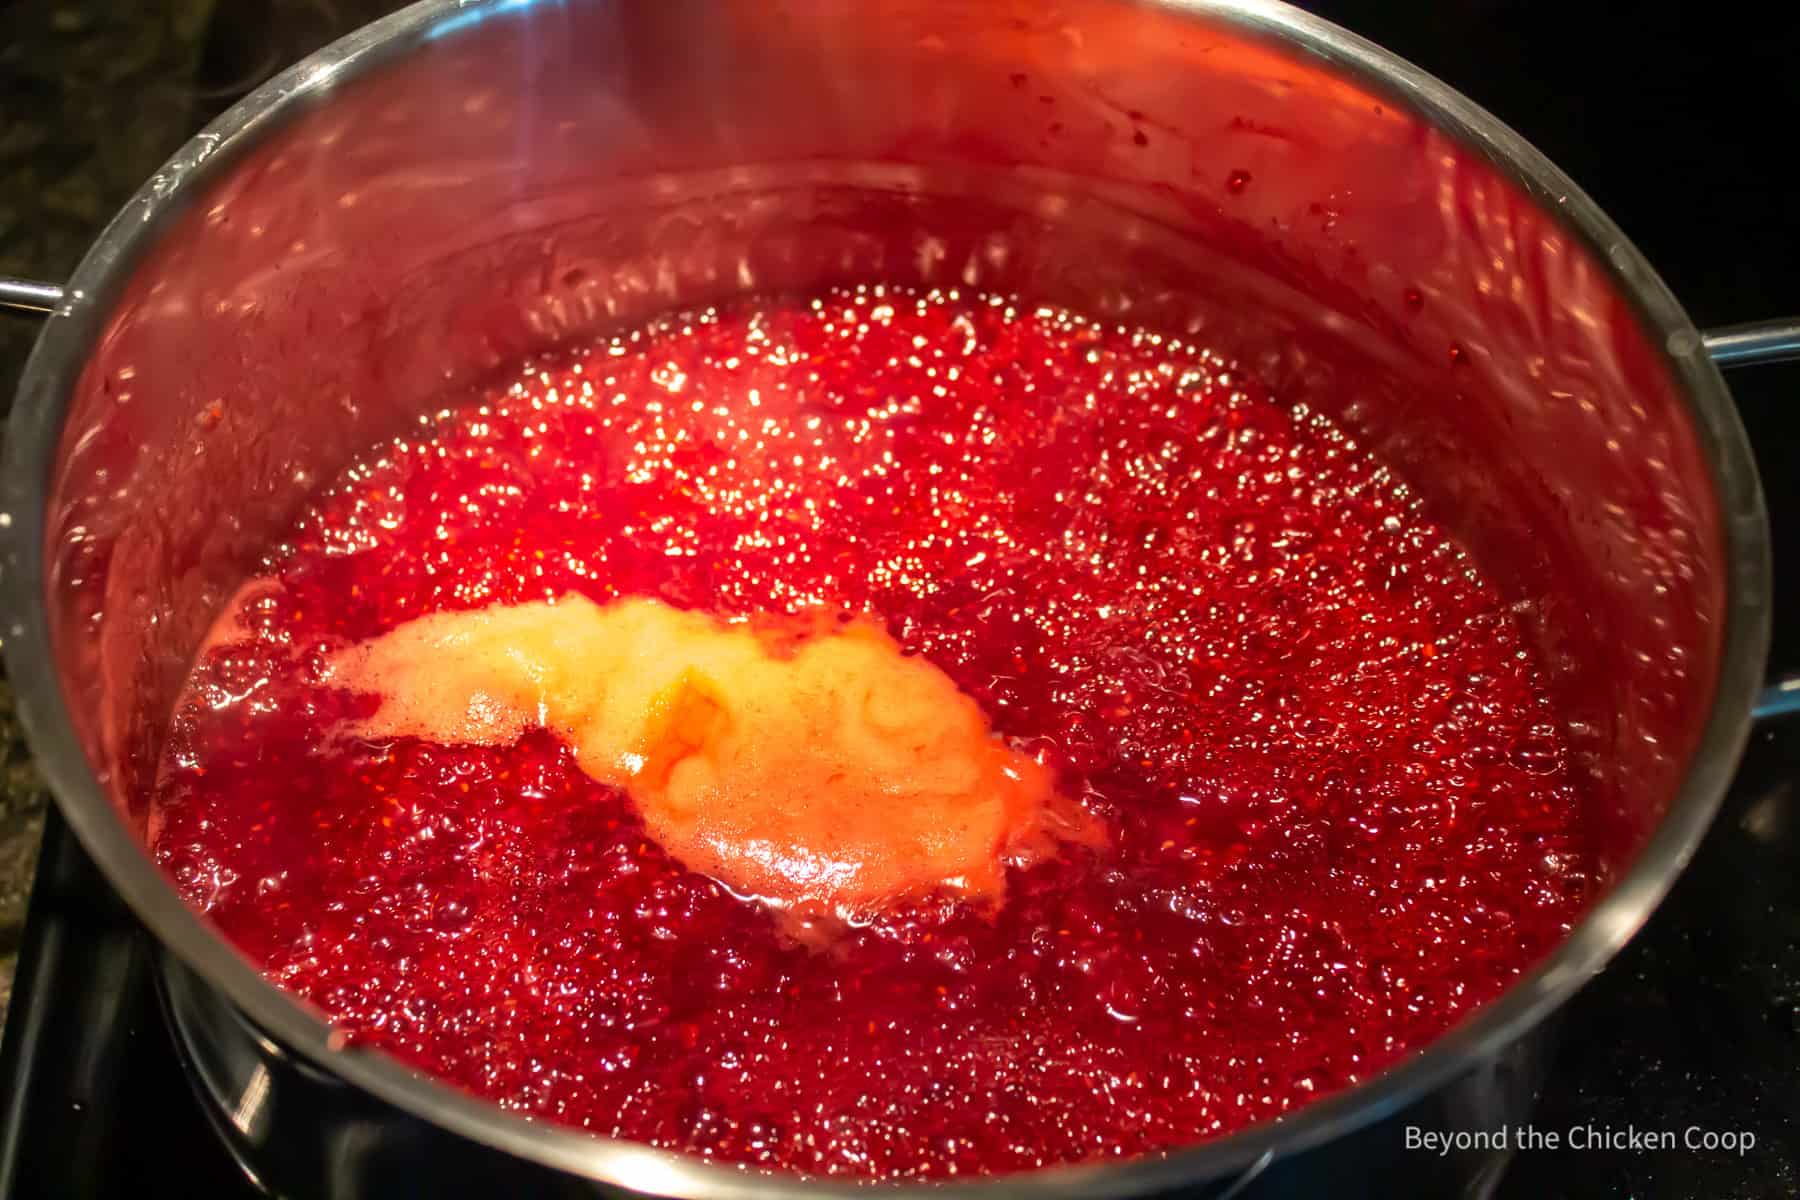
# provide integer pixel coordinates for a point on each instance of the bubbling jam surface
(1325, 799)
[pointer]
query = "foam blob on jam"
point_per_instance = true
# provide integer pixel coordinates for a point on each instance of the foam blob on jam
(812, 764)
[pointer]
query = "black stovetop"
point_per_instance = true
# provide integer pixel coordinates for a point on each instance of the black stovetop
(1680, 123)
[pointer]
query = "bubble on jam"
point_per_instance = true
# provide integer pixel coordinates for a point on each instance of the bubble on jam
(1338, 801)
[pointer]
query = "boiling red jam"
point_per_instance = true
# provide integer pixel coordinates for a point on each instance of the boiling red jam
(1337, 808)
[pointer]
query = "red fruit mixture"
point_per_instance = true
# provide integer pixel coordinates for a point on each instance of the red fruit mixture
(1337, 808)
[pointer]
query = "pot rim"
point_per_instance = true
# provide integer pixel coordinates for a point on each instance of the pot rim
(63, 346)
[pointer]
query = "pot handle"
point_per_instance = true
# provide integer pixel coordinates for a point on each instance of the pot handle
(1753, 344)
(1747, 346)
(29, 297)
(1729, 346)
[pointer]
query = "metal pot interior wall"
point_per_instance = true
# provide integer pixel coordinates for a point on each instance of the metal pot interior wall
(555, 169)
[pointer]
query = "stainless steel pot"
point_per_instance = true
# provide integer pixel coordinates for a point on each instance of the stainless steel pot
(465, 182)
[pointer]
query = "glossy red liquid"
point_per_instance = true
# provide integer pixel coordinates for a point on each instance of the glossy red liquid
(1337, 801)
